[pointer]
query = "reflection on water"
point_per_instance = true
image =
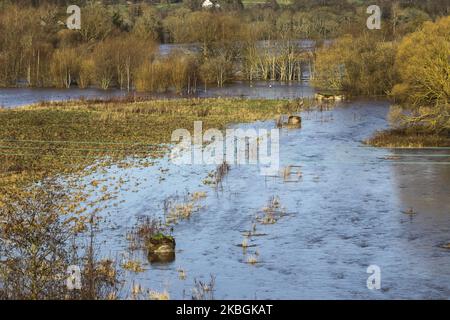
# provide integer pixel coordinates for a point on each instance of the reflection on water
(258, 90)
(163, 258)
(345, 213)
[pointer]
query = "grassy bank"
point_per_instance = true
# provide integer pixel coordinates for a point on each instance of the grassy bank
(48, 138)
(407, 139)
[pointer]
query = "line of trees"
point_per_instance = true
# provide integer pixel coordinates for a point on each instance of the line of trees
(118, 43)
(415, 71)
(37, 50)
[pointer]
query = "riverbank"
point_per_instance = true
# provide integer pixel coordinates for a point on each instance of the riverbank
(64, 137)
(397, 138)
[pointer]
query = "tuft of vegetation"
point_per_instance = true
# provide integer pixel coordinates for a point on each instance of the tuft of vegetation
(272, 212)
(399, 138)
(215, 177)
(204, 290)
(155, 295)
(149, 233)
(181, 274)
(133, 265)
(174, 210)
(252, 259)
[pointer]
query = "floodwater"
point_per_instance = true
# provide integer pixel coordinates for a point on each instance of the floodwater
(17, 97)
(345, 213)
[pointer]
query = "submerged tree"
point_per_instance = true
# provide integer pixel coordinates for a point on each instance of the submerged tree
(64, 67)
(361, 66)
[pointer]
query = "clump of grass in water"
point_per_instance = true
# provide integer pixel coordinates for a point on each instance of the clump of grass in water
(145, 230)
(133, 265)
(136, 290)
(253, 258)
(272, 212)
(155, 295)
(181, 211)
(244, 243)
(198, 195)
(204, 290)
(409, 211)
(181, 274)
(279, 122)
(215, 177)
(174, 211)
(221, 172)
(292, 173)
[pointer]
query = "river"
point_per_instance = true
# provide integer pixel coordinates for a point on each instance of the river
(346, 211)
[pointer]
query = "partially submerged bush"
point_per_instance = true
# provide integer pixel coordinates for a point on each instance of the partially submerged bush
(34, 238)
(151, 235)
(37, 226)
(204, 290)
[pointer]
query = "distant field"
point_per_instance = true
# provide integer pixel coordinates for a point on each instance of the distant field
(66, 137)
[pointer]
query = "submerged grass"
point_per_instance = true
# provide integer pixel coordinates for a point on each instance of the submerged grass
(66, 137)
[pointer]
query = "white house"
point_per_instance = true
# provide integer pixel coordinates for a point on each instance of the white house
(207, 4)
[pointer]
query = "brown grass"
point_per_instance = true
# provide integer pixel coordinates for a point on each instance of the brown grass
(404, 139)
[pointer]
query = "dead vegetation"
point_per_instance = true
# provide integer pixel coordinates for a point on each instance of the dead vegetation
(292, 173)
(204, 290)
(400, 138)
(215, 178)
(272, 212)
(40, 240)
(176, 209)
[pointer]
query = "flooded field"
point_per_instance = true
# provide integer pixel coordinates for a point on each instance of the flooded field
(256, 90)
(347, 206)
